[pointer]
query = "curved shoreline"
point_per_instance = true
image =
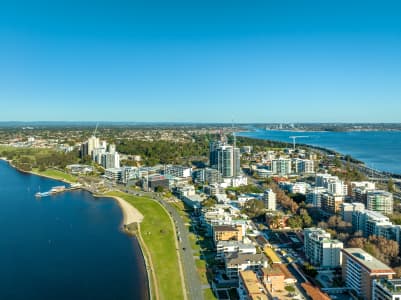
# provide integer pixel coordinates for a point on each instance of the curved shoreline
(130, 215)
(328, 151)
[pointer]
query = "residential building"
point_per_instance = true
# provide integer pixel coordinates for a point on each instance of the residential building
(110, 160)
(228, 161)
(93, 143)
(320, 249)
(211, 176)
(225, 158)
(227, 233)
(129, 173)
(386, 289)
(359, 269)
(347, 209)
(246, 149)
(97, 155)
(273, 279)
(113, 174)
(369, 185)
(299, 188)
(379, 200)
(330, 203)
(304, 166)
(281, 166)
(185, 191)
(178, 171)
(250, 288)
(374, 223)
(263, 172)
(359, 194)
(213, 189)
(213, 156)
(112, 148)
(77, 169)
(269, 199)
(314, 196)
(332, 183)
(157, 180)
(236, 262)
(224, 248)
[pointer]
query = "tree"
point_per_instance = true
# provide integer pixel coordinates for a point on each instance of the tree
(209, 202)
(309, 270)
(295, 221)
(390, 185)
(159, 189)
(290, 289)
(306, 218)
(397, 271)
(254, 208)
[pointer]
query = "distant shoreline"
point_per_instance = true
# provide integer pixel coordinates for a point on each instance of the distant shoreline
(328, 151)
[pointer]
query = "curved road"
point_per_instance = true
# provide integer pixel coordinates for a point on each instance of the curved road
(192, 281)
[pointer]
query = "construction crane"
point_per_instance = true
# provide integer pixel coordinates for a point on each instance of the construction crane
(294, 137)
(94, 133)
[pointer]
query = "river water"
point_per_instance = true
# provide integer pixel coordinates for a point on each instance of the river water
(378, 149)
(67, 246)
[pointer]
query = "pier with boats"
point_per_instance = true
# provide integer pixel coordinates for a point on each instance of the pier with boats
(57, 190)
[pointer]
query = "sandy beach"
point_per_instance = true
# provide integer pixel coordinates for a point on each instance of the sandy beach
(130, 213)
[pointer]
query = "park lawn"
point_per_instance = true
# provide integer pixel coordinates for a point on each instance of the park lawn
(56, 174)
(158, 234)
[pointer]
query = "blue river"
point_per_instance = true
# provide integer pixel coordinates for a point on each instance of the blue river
(67, 246)
(380, 150)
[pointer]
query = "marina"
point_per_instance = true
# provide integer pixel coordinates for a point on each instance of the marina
(57, 190)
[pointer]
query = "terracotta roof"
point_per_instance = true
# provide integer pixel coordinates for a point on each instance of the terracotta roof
(314, 292)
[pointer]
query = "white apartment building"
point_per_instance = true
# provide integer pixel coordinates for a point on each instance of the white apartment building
(347, 209)
(314, 196)
(379, 200)
(304, 166)
(178, 171)
(111, 160)
(224, 248)
(299, 188)
(320, 249)
(113, 174)
(269, 199)
(281, 166)
(332, 183)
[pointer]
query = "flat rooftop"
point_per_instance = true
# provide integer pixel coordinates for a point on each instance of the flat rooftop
(272, 255)
(367, 261)
(252, 285)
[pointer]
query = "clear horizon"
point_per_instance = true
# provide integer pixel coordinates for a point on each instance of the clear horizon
(206, 62)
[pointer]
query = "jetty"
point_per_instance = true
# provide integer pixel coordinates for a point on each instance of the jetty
(58, 189)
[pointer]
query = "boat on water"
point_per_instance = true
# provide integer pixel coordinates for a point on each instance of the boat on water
(54, 190)
(57, 189)
(40, 195)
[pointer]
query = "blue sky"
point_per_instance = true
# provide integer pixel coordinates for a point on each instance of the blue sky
(200, 61)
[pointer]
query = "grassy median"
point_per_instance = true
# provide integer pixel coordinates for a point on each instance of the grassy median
(158, 234)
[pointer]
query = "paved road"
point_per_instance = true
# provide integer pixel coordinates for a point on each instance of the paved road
(193, 283)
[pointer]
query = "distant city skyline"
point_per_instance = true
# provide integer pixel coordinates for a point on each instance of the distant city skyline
(212, 61)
